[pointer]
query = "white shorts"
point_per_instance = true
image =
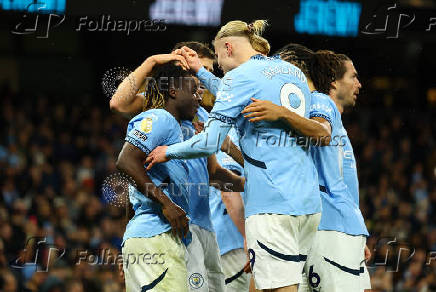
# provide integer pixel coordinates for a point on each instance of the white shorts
(203, 261)
(278, 246)
(336, 263)
(233, 264)
(156, 263)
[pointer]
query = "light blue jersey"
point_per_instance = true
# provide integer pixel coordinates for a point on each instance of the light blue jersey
(280, 175)
(198, 179)
(227, 234)
(210, 81)
(146, 131)
(337, 172)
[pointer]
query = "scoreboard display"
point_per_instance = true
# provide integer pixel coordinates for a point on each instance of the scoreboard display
(38, 6)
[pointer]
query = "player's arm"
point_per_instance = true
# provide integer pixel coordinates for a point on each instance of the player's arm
(222, 117)
(222, 177)
(227, 147)
(263, 110)
(204, 144)
(235, 208)
(209, 80)
(130, 161)
(126, 100)
(233, 151)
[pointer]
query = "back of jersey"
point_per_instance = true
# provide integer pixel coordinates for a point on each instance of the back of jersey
(280, 175)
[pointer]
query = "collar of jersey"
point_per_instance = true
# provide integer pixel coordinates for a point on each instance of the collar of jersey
(262, 57)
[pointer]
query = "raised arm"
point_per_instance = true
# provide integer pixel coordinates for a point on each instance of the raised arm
(126, 100)
(208, 79)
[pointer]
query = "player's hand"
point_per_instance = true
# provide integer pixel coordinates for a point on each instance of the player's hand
(367, 253)
(165, 58)
(247, 267)
(191, 57)
(262, 110)
(199, 127)
(158, 155)
(177, 218)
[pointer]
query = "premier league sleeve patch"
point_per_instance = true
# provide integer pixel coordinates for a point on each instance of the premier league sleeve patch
(146, 125)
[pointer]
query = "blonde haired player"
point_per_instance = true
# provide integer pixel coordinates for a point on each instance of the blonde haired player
(282, 206)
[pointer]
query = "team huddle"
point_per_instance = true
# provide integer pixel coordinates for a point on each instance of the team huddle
(259, 194)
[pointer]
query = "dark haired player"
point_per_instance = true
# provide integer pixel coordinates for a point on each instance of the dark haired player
(160, 200)
(203, 260)
(337, 259)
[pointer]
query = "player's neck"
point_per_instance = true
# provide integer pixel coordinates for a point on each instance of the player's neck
(171, 108)
(311, 86)
(246, 55)
(337, 102)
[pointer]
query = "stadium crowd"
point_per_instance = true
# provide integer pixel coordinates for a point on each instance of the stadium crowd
(57, 233)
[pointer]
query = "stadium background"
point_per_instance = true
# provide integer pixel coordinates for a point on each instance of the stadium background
(59, 139)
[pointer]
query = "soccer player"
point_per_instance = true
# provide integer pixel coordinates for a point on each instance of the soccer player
(160, 198)
(283, 203)
(227, 210)
(337, 259)
(203, 258)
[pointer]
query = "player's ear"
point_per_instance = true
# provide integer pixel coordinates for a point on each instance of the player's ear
(229, 48)
(172, 92)
(333, 85)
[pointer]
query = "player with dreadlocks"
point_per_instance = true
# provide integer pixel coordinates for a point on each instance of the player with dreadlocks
(160, 201)
(336, 261)
(203, 256)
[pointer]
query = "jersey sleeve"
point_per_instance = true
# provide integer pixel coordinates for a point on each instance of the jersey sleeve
(147, 131)
(203, 144)
(210, 81)
(322, 107)
(233, 95)
(202, 114)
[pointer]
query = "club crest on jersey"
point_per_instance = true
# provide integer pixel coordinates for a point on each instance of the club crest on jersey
(146, 125)
(196, 280)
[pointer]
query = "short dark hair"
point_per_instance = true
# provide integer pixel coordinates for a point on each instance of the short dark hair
(327, 67)
(203, 50)
(155, 97)
(297, 55)
(342, 69)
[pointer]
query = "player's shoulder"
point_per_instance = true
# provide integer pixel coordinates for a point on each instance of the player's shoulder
(322, 103)
(318, 97)
(157, 119)
(155, 115)
(254, 65)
